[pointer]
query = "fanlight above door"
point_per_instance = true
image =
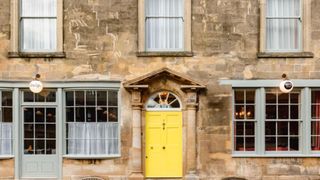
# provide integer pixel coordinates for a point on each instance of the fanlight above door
(163, 100)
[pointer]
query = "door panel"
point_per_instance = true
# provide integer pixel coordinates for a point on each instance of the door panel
(163, 144)
(39, 155)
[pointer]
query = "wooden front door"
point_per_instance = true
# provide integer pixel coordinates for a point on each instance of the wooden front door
(163, 149)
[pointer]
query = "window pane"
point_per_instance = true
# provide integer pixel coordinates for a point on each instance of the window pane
(282, 144)
(239, 112)
(69, 98)
(50, 96)
(239, 128)
(239, 144)
(39, 114)
(113, 114)
(270, 128)
(271, 98)
(28, 96)
(38, 35)
(315, 128)
(315, 143)
(249, 143)
(250, 112)
(294, 144)
(283, 98)
(239, 97)
(79, 98)
(39, 8)
(315, 111)
(102, 113)
(91, 114)
(50, 131)
(39, 97)
(283, 112)
(39, 147)
(7, 114)
(294, 98)
(90, 98)
(28, 147)
(51, 147)
(294, 112)
(250, 97)
(6, 98)
(79, 114)
(39, 133)
(315, 97)
(249, 128)
(113, 98)
(270, 143)
(271, 112)
(70, 114)
(28, 114)
(28, 130)
(50, 115)
(294, 128)
(282, 128)
(102, 98)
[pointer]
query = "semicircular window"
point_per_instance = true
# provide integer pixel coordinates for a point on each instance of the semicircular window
(163, 100)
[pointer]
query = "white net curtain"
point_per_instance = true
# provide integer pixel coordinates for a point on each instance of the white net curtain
(283, 25)
(38, 25)
(6, 138)
(164, 25)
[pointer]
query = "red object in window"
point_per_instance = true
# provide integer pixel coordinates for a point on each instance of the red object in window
(277, 149)
(316, 141)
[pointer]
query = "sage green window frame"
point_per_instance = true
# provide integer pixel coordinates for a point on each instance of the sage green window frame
(305, 86)
(71, 156)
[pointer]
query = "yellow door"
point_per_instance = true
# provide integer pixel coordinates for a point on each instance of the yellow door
(163, 144)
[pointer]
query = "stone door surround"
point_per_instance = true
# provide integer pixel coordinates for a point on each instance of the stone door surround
(141, 88)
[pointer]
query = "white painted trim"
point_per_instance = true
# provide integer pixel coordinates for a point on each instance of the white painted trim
(269, 83)
(91, 156)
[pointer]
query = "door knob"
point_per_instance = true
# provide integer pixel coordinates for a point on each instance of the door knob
(146, 157)
(151, 147)
(163, 147)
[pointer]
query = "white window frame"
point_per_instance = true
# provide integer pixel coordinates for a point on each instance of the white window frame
(73, 156)
(305, 29)
(305, 86)
(142, 28)
(16, 28)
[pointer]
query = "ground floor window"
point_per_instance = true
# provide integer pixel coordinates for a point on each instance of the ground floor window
(92, 125)
(269, 122)
(6, 125)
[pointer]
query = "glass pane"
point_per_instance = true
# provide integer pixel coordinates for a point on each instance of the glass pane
(80, 114)
(50, 96)
(91, 114)
(282, 144)
(294, 112)
(239, 97)
(39, 8)
(270, 128)
(91, 98)
(39, 114)
(315, 143)
(102, 98)
(39, 147)
(315, 97)
(51, 115)
(250, 112)
(294, 128)
(113, 98)
(271, 111)
(79, 98)
(69, 98)
(249, 128)
(282, 128)
(294, 144)
(239, 144)
(249, 143)
(315, 127)
(28, 114)
(39, 131)
(28, 96)
(28, 147)
(50, 131)
(239, 112)
(102, 113)
(270, 143)
(239, 128)
(283, 112)
(39, 97)
(51, 147)
(39, 34)
(283, 98)
(250, 97)
(28, 130)
(315, 111)
(70, 114)
(294, 98)
(271, 98)
(6, 98)
(113, 114)
(7, 114)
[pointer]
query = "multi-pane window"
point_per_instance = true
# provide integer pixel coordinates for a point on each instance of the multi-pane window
(283, 25)
(315, 120)
(38, 22)
(164, 25)
(282, 113)
(92, 126)
(6, 125)
(244, 120)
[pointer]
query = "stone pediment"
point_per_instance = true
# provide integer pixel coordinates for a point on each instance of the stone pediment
(143, 81)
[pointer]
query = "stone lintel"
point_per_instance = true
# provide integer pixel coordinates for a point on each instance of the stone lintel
(36, 55)
(165, 54)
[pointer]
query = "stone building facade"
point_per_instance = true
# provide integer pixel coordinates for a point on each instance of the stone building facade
(100, 46)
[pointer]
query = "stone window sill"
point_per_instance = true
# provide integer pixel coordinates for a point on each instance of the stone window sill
(37, 55)
(91, 156)
(165, 54)
(285, 55)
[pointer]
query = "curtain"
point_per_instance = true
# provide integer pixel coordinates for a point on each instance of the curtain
(164, 25)
(6, 139)
(93, 138)
(38, 25)
(283, 31)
